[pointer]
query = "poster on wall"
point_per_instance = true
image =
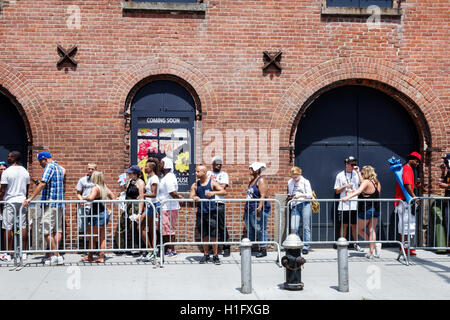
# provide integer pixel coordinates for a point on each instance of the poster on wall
(172, 143)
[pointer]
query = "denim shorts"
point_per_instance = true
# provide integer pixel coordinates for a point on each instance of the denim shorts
(150, 208)
(100, 220)
(371, 213)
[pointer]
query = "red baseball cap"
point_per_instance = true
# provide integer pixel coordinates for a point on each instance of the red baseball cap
(415, 155)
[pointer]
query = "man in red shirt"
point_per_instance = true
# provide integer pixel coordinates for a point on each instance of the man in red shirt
(407, 221)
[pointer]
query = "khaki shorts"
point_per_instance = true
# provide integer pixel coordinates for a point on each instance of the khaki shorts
(8, 215)
(52, 220)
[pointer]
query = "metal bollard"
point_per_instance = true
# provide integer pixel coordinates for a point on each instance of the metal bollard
(342, 249)
(246, 266)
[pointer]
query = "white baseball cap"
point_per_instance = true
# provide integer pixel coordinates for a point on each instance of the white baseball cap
(217, 159)
(258, 165)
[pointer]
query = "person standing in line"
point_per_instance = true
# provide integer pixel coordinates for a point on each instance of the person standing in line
(168, 189)
(256, 213)
(444, 183)
(147, 217)
(406, 218)
(368, 211)
(52, 187)
(4, 256)
(216, 174)
(99, 214)
(15, 182)
(299, 188)
(207, 215)
(347, 182)
(83, 189)
(135, 189)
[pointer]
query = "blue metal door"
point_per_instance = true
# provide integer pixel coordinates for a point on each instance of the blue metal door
(162, 124)
(358, 121)
(13, 136)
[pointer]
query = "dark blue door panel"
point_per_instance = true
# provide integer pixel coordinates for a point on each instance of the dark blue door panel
(13, 135)
(162, 123)
(358, 121)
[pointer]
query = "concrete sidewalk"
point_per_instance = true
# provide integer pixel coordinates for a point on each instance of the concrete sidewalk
(182, 277)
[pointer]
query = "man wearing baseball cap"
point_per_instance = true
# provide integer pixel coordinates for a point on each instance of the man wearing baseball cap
(444, 183)
(52, 187)
(406, 220)
(216, 174)
(347, 182)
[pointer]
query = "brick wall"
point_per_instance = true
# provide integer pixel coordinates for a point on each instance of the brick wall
(78, 114)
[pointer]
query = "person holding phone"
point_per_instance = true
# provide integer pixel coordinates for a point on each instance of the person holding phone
(347, 182)
(444, 183)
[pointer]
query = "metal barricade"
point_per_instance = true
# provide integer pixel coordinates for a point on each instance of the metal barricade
(432, 224)
(327, 225)
(182, 225)
(113, 226)
(10, 224)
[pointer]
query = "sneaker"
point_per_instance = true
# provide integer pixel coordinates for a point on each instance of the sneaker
(5, 257)
(216, 260)
(204, 259)
(412, 252)
(377, 252)
(226, 252)
(262, 253)
(358, 248)
(59, 260)
(369, 256)
(305, 251)
(148, 257)
(52, 261)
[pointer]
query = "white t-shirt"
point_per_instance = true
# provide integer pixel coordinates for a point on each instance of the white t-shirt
(343, 178)
(220, 177)
(148, 188)
(303, 187)
(85, 186)
(17, 178)
(167, 185)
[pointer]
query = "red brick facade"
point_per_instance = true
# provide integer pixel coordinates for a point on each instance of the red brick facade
(79, 114)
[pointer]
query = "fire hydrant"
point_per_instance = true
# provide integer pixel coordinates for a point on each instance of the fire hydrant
(293, 262)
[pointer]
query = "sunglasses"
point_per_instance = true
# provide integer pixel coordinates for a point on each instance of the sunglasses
(2, 163)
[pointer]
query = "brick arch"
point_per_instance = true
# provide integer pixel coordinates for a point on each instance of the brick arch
(170, 66)
(422, 104)
(36, 115)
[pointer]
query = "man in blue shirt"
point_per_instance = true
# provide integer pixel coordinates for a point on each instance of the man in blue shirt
(52, 187)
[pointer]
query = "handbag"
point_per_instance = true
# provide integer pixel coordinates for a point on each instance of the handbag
(315, 205)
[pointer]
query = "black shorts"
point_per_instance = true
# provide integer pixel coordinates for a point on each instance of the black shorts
(207, 225)
(348, 216)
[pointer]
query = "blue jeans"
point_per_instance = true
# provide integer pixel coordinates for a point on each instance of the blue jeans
(299, 211)
(256, 227)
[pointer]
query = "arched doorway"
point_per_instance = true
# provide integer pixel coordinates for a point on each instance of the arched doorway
(162, 124)
(13, 134)
(352, 120)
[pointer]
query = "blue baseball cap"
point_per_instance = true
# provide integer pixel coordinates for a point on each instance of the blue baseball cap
(133, 169)
(44, 154)
(446, 156)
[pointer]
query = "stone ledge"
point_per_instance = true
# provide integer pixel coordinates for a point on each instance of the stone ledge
(164, 6)
(343, 11)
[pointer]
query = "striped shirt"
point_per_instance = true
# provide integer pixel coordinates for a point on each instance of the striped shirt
(53, 176)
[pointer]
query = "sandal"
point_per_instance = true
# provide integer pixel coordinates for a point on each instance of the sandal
(100, 259)
(87, 258)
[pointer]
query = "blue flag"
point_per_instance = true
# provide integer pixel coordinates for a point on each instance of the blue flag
(397, 169)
